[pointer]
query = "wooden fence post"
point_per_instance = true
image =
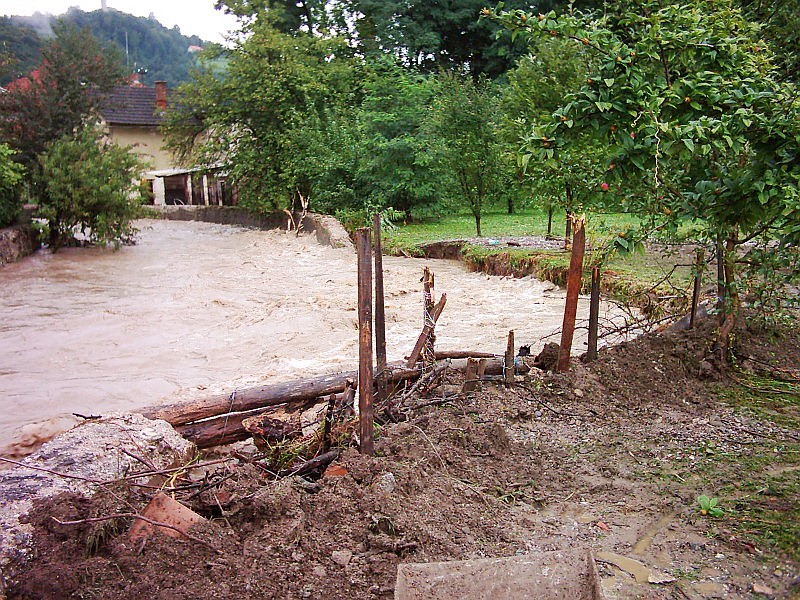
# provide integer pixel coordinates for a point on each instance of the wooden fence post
(365, 370)
(510, 367)
(380, 311)
(573, 289)
(698, 276)
(594, 315)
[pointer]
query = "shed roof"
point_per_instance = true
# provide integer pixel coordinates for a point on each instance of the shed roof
(127, 105)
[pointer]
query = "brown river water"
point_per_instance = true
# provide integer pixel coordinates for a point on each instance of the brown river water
(198, 308)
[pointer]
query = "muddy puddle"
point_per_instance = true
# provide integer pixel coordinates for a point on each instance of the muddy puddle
(196, 308)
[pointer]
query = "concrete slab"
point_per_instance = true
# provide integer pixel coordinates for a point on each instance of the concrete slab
(567, 575)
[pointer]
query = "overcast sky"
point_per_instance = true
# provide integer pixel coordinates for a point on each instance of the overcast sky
(194, 17)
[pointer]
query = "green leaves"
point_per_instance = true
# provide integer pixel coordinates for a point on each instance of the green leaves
(709, 506)
(87, 185)
(10, 177)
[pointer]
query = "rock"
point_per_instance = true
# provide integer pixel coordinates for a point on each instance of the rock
(90, 453)
(759, 588)
(707, 370)
(319, 571)
(386, 483)
(341, 557)
(578, 393)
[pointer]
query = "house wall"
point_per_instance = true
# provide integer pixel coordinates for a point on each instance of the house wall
(148, 143)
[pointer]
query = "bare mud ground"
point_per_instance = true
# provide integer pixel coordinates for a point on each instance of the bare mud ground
(611, 456)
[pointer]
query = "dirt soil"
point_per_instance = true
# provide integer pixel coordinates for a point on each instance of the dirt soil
(611, 456)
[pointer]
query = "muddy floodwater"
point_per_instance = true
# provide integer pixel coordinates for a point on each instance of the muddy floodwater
(196, 308)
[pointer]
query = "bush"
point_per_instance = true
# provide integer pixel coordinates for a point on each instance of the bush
(88, 185)
(10, 178)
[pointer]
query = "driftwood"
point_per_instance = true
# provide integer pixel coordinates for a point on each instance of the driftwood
(427, 332)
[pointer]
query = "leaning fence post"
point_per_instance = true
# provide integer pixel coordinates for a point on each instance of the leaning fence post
(573, 289)
(594, 315)
(365, 370)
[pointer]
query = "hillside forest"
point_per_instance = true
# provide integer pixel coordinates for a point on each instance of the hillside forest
(155, 52)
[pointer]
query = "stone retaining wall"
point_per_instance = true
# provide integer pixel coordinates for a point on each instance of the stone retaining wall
(17, 242)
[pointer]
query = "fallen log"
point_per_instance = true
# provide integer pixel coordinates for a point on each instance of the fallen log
(216, 432)
(251, 398)
(219, 429)
(445, 354)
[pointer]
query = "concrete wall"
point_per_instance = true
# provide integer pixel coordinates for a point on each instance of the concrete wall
(326, 228)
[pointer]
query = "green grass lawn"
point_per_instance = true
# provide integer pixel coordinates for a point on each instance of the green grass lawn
(627, 274)
(497, 223)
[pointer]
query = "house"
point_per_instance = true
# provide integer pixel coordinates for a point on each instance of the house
(133, 115)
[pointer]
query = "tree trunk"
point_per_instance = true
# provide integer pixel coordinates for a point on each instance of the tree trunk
(731, 305)
(478, 224)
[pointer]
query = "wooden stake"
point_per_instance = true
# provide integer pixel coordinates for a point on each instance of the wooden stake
(698, 276)
(471, 376)
(573, 289)
(380, 309)
(509, 361)
(594, 315)
(365, 370)
(427, 315)
(721, 277)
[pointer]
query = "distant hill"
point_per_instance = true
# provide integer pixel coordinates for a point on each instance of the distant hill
(163, 53)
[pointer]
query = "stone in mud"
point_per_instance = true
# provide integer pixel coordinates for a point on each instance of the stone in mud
(543, 576)
(90, 453)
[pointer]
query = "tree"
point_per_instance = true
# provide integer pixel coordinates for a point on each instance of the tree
(693, 116)
(462, 122)
(87, 185)
(393, 169)
(247, 116)
(536, 88)
(69, 84)
(10, 179)
(435, 35)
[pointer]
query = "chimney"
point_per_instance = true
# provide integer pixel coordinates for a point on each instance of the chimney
(161, 95)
